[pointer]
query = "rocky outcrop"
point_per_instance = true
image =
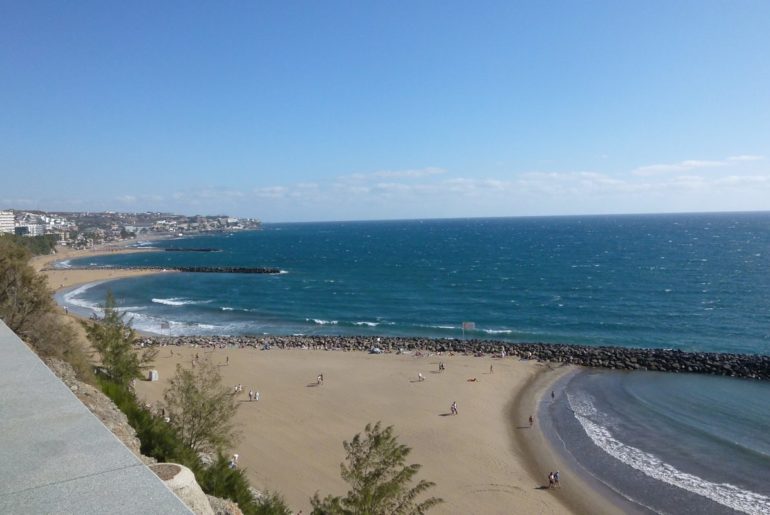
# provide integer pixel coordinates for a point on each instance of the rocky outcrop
(223, 506)
(751, 366)
(181, 481)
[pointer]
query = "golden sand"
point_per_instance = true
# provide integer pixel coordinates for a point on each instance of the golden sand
(485, 460)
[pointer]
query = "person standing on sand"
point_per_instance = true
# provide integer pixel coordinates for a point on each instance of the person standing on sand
(556, 479)
(256, 396)
(531, 421)
(491, 369)
(453, 408)
(420, 376)
(251, 395)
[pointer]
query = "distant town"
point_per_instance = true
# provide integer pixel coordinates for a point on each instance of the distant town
(86, 229)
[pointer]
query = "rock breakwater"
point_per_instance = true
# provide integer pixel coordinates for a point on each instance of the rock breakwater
(196, 269)
(616, 358)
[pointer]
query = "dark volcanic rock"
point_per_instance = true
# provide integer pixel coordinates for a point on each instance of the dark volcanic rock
(622, 358)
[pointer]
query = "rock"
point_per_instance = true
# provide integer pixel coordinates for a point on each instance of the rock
(223, 506)
(182, 482)
(623, 358)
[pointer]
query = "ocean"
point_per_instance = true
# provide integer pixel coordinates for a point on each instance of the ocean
(696, 282)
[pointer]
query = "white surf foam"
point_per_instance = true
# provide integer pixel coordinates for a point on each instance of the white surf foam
(73, 297)
(497, 331)
(652, 466)
(322, 322)
(370, 324)
(179, 301)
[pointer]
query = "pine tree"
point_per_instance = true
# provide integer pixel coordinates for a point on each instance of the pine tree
(201, 408)
(114, 340)
(380, 482)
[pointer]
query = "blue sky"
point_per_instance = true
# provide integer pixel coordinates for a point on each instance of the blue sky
(298, 111)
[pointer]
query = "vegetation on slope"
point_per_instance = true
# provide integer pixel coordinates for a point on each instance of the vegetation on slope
(27, 309)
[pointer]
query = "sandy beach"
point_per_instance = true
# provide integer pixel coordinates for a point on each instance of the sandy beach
(481, 460)
(59, 279)
(485, 460)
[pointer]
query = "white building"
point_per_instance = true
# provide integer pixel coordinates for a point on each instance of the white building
(6, 222)
(34, 229)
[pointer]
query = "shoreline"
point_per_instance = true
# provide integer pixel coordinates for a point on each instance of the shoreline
(577, 499)
(541, 456)
(65, 278)
(294, 433)
(536, 455)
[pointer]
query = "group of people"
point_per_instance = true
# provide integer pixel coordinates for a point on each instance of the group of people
(553, 479)
(253, 396)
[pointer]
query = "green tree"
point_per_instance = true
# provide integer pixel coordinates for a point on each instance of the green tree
(201, 408)
(380, 482)
(24, 294)
(27, 309)
(114, 340)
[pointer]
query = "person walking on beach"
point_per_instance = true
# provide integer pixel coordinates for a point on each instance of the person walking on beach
(491, 369)
(227, 360)
(453, 408)
(551, 480)
(256, 396)
(531, 421)
(251, 395)
(556, 479)
(420, 376)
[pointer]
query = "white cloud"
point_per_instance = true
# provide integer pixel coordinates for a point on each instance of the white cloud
(271, 192)
(683, 166)
(394, 174)
(692, 164)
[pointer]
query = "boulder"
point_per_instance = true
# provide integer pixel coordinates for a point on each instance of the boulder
(181, 481)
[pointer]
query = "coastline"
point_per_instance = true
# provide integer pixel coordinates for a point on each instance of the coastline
(293, 435)
(540, 456)
(518, 471)
(63, 278)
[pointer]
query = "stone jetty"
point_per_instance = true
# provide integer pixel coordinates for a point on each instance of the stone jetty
(196, 269)
(192, 249)
(616, 358)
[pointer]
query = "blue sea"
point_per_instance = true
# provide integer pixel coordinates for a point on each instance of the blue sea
(696, 282)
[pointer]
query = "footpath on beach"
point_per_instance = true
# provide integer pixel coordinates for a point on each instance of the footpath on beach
(615, 358)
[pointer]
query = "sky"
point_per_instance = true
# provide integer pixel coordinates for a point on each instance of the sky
(323, 110)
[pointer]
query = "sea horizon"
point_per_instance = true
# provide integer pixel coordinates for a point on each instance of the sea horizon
(694, 282)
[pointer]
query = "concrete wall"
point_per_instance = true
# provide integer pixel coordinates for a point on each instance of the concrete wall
(57, 457)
